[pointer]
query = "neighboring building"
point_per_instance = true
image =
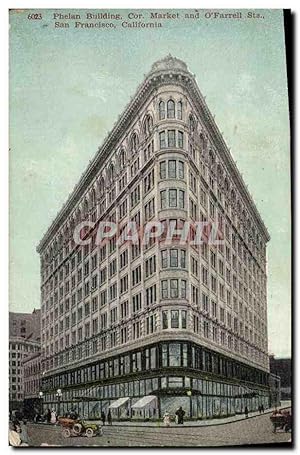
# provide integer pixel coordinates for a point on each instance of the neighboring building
(25, 325)
(24, 339)
(275, 395)
(32, 383)
(283, 369)
(182, 325)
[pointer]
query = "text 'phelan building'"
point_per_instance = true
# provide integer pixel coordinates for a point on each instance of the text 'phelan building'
(141, 329)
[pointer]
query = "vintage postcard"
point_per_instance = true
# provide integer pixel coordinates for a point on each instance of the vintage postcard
(150, 240)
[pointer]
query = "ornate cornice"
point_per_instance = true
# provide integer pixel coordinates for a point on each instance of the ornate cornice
(166, 71)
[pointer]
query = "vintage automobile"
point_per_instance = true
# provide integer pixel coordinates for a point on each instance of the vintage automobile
(282, 421)
(79, 427)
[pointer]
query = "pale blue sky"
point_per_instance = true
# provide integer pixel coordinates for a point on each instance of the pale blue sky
(68, 86)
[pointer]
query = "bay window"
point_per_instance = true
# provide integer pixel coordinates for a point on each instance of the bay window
(174, 289)
(175, 198)
(171, 138)
(162, 140)
(174, 319)
(171, 109)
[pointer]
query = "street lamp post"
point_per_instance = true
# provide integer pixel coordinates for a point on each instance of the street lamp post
(41, 401)
(189, 394)
(59, 395)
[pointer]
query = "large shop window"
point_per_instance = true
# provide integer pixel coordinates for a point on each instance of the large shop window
(174, 355)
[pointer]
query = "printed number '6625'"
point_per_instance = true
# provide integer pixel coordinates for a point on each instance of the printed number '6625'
(34, 16)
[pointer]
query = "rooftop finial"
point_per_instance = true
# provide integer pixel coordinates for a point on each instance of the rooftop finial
(168, 63)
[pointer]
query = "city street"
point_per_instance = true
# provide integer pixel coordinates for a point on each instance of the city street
(255, 430)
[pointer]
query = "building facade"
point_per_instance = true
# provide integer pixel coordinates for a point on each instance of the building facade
(24, 339)
(185, 324)
(282, 367)
(275, 390)
(32, 384)
(25, 325)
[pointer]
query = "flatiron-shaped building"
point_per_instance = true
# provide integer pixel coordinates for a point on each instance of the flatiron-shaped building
(141, 328)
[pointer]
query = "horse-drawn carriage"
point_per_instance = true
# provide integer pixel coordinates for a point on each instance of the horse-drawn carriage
(79, 427)
(281, 420)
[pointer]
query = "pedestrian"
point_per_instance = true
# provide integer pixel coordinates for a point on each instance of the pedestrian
(262, 409)
(246, 412)
(180, 413)
(167, 421)
(103, 418)
(14, 437)
(48, 416)
(109, 418)
(53, 417)
(24, 433)
(259, 409)
(73, 414)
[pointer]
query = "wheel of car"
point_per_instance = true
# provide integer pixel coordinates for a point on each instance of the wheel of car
(66, 432)
(89, 432)
(77, 428)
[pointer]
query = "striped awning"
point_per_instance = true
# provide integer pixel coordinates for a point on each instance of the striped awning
(118, 403)
(144, 402)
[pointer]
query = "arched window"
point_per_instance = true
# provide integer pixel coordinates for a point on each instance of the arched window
(60, 241)
(93, 198)
(101, 186)
(211, 158)
(191, 124)
(67, 233)
(122, 159)
(134, 142)
(162, 112)
(148, 126)
(70, 231)
(226, 184)
(233, 197)
(179, 110)
(244, 217)
(220, 173)
(111, 173)
(85, 208)
(202, 143)
(171, 109)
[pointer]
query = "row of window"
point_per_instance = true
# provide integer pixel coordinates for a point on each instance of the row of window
(231, 278)
(85, 347)
(170, 354)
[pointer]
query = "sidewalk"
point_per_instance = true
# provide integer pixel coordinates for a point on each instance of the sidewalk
(193, 423)
(201, 423)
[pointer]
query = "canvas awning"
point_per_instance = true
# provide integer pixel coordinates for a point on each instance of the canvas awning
(118, 403)
(144, 402)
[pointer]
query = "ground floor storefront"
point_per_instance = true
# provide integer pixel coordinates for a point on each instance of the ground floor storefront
(150, 398)
(147, 382)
